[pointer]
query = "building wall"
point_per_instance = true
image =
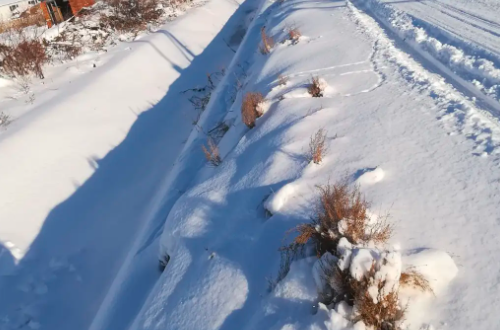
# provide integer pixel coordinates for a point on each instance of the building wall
(6, 13)
(77, 5)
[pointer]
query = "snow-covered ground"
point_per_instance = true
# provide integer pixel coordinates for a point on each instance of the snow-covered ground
(104, 169)
(84, 161)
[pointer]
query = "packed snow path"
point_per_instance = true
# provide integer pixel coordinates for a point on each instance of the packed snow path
(477, 22)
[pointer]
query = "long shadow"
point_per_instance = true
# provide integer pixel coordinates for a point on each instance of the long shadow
(85, 239)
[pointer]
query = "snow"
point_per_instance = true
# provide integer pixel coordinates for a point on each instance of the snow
(103, 174)
(371, 176)
(436, 266)
(82, 166)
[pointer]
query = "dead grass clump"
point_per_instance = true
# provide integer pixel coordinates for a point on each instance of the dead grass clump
(131, 15)
(267, 42)
(24, 58)
(212, 153)
(382, 312)
(317, 146)
(342, 212)
(65, 46)
(337, 202)
(342, 202)
(282, 80)
(4, 119)
(201, 95)
(294, 35)
(249, 108)
(412, 278)
(380, 232)
(315, 89)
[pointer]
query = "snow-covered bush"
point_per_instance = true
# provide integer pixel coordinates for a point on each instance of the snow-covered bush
(4, 119)
(361, 282)
(355, 271)
(250, 108)
(343, 212)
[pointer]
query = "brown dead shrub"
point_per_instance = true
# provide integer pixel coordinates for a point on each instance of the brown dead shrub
(66, 46)
(317, 146)
(381, 314)
(342, 202)
(212, 153)
(267, 42)
(249, 108)
(131, 15)
(412, 278)
(24, 58)
(4, 119)
(337, 202)
(342, 212)
(282, 80)
(294, 35)
(380, 232)
(315, 89)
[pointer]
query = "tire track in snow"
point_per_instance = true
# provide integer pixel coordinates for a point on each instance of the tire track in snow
(461, 61)
(460, 16)
(474, 17)
(458, 114)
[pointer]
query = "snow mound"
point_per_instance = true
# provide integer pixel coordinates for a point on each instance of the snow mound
(371, 176)
(276, 201)
(436, 266)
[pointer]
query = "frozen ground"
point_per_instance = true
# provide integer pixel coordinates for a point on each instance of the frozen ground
(104, 169)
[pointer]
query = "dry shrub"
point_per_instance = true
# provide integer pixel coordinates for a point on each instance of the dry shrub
(315, 89)
(249, 108)
(219, 131)
(4, 119)
(212, 153)
(131, 15)
(267, 42)
(201, 95)
(23, 58)
(382, 314)
(294, 35)
(337, 202)
(317, 146)
(381, 231)
(412, 278)
(66, 46)
(342, 213)
(282, 80)
(177, 3)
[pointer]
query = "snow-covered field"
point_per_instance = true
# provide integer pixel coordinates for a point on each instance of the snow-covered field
(103, 173)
